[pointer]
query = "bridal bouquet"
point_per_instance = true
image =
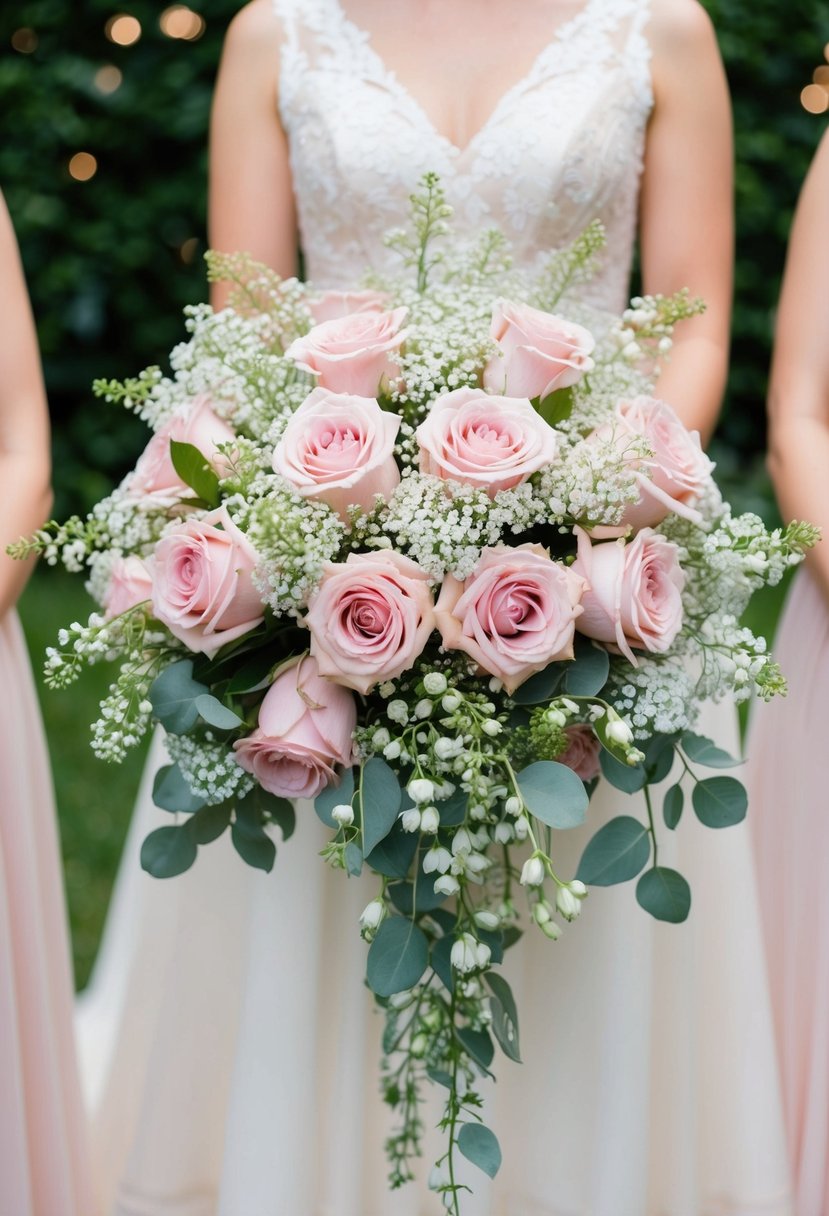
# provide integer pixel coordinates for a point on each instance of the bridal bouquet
(431, 554)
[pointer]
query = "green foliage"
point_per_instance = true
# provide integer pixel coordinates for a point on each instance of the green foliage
(553, 793)
(380, 797)
(397, 958)
(617, 853)
(720, 802)
(480, 1146)
(665, 894)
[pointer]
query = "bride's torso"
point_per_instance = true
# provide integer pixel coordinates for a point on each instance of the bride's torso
(562, 146)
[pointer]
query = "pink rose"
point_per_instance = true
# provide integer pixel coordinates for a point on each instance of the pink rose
(154, 473)
(674, 478)
(635, 592)
(129, 584)
(370, 618)
(202, 586)
(483, 440)
(305, 728)
(340, 448)
(335, 304)
(514, 614)
(539, 352)
(353, 354)
(583, 750)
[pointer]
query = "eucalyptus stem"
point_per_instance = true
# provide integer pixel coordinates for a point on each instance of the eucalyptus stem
(652, 828)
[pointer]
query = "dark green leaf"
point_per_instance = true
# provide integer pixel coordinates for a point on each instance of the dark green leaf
(553, 793)
(334, 795)
(659, 758)
(439, 1077)
(398, 956)
(353, 859)
(556, 407)
(393, 856)
(252, 676)
(171, 791)
(617, 853)
(629, 778)
(208, 824)
(453, 810)
(444, 919)
(480, 1146)
(587, 675)
(720, 802)
(380, 796)
(541, 687)
(167, 852)
(401, 895)
(511, 935)
(700, 750)
(504, 1015)
(441, 961)
(495, 940)
(672, 806)
(215, 714)
(478, 1044)
(280, 811)
(665, 894)
(195, 471)
(252, 843)
(173, 695)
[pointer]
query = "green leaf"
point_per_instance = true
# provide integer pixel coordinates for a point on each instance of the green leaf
(480, 1146)
(208, 824)
(167, 852)
(629, 778)
(439, 1077)
(398, 956)
(280, 811)
(173, 696)
(556, 406)
(659, 758)
(334, 795)
(540, 687)
(380, 796)
(393, 856)
(504, 1015)
(673, 805)
(215, 714)
(553, 793)
(195, 470)
(700, 750)
(587, 675)
(171, 791)
(252, 676)
(493, 938)
(453, 810)
(478, 1044)
(252, 843)
(441, 961)
(353, 859)
(720, 802)
(665, 894)
(402, 895)
(617, 853)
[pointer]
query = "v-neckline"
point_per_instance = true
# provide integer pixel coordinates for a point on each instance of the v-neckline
(393, 82)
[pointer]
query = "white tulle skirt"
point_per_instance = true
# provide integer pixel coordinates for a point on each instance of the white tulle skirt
(231, 1049)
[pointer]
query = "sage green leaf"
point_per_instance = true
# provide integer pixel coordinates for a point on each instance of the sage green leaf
(393, 856)
(452, 810)
(353, 859)
(173, 697)
(380, 797)
(701, 750)
(441, 961)
(252, 843)
(480, 1146)
(215, 714)
(672, 806)
(553, 793)
(409, 899)
(439, 1077)
(398, 956)
(208, 824)
(541, 687)
(659, 758)
(478, 1044)
(334, 795)
(665, 894)
(171, 791)
(167, 852)
(504, 1015)
(587, 675)
(720, 802)
(195, 470)
(629, 778)
(618, 852)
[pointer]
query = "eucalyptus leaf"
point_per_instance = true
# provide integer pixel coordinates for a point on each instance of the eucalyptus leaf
(659, 758)
(169, 851)
(553, 793)
(478, 1044)
(504, 1015)
(452, 810)
(280, 811)
(208, 824)
(618, 852)
(334, 795)
(665, 894)
(195, 470)
(720, 802)
(252, 676)
(629, 778)
(480, 1146)
(171, 791)
(673, 805)
(353, 859)
(173, 697)
(493, 938)
(439, 1077)
(398, 956)
(252, 843)
(541, 687)
(380, 797)
(211, 710)
(441, 961)
(393, 856)
(701, 750)
(409, 899)
(587, 675)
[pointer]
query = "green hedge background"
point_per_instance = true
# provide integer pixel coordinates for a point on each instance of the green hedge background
(112, 260)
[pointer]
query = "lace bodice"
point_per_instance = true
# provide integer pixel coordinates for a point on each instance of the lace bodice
(562, 147)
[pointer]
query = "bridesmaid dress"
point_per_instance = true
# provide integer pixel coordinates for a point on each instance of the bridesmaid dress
(239, 1076)
(790, 820)
(44, 1162)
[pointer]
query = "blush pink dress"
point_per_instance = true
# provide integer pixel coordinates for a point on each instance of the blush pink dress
(788, 780)
(43, 1153)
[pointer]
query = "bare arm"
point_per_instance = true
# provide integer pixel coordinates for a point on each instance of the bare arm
(687, 207)
(799, 391)
(251, 197)
(25, 467)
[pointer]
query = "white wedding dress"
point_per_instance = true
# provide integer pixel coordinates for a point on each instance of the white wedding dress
(230, 1048)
